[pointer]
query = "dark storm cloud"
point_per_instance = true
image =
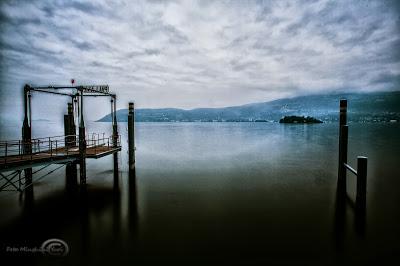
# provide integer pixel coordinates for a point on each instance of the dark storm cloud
(238, 65)
(143, 52)
(48, 10)
(83, 45)
(21, 21)
(152, 51)
(387, 78)
(86, 7)
(175, 36)
(26, 49)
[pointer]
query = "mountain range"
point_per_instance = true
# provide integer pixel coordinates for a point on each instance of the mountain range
(362, 107)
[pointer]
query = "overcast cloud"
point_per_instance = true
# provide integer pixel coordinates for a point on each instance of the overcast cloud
(189, 54)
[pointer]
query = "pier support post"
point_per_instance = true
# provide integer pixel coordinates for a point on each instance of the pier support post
(131, 136)
(27, 135)
(115, 140)
(343, 143)
(361, 196)
(132, 203)
(82, 146)
(70, 140)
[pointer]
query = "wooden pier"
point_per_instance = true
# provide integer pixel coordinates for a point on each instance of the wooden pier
(47, 150)
(17, 157)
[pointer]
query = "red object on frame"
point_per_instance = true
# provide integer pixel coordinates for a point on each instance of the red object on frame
(72, 81)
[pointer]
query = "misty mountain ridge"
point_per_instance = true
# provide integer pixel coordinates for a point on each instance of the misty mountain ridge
(362, 107)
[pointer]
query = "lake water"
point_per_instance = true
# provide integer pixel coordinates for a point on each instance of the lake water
(217, 193)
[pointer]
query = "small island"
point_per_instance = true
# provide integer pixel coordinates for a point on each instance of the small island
(299, 119)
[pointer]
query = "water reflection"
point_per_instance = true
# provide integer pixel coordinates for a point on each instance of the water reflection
(230, 191)
(132, 203)
(80, 216)
(27, 199)
(84, 218)
(71, 177)
(340, 219)
(342, 203)
(116, 210)
(360, 222)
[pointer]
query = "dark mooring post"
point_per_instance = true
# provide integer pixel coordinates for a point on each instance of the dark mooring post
(115, 139)
(361, 196)
(82, 145)
(343, 143)
(70, 140)
(132, 200)
(131, 137)
(27, 134)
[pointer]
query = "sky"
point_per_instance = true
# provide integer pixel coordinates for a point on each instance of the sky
(189, 54)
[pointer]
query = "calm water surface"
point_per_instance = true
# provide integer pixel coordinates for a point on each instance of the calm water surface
(217, 193)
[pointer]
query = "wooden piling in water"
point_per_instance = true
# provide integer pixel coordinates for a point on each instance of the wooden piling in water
(82, 146)
(131, 136)
(70, 139)
(132, 200)
(361, 196)
(343, 145)
(27, 134)
(343, 112)
(115, 140)
(343, 150)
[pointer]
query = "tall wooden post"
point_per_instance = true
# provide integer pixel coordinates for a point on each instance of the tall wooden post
(70, 140)
(343, 143)
(132, 200)
(343, 147)
(115, 139)
(131, 136)
(27, 134)
(343, 112)
(361, 196)
(82, 145)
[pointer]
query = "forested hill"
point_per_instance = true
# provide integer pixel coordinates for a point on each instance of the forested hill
(367, 107)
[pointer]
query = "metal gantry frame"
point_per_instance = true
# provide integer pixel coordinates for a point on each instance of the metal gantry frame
(77, 94)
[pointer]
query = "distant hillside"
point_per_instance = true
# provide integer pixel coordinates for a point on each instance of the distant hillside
(368, 107)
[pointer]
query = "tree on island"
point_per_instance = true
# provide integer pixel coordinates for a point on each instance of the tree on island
(299, 120)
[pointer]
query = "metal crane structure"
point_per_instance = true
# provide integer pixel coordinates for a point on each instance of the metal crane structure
(20, 156)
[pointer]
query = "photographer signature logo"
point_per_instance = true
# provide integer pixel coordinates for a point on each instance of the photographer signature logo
(51, 247)
(55, 247)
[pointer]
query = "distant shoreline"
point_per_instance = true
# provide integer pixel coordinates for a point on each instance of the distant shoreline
(266, 122)
(367, 107)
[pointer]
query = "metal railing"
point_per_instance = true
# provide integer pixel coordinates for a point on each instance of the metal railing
(96, 140)
(53, 146)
